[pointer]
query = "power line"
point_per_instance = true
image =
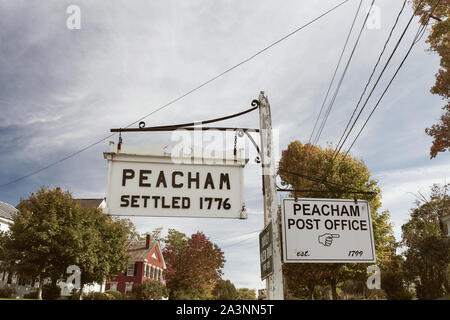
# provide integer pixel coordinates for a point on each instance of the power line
(239, 242)
(343, 75)
(338, 149)
(181, 96)
(336, 153)
(335, 71)
(379, 77)
(417, 37)
(236, 236)
(317, 180)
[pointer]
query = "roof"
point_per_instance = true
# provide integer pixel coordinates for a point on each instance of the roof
(7, 210)
(89, 203)
(137, 250)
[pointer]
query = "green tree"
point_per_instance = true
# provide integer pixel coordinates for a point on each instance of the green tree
(426, 241)
(313, 161)
(245, 294)
(438, 39)
(101, 254)
(52, 231)
(193, 265)
(224, 290)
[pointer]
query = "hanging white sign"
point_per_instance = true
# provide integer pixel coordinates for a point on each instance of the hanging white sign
(327, 231)
(146, 181)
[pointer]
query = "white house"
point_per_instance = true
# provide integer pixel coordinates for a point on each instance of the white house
(6, 213)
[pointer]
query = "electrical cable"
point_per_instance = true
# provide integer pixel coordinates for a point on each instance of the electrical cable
(335, 71)
(379, 77)
(343, 76)
(418, 36)
(338, 149)
(328, 184)
(371, 92)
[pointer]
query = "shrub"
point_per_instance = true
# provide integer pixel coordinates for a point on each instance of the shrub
(30, 295)
(394, 284)
(98, 296)
(51, 291)
(150, 290)
(7, 292)
(114, 293)
(75, 294)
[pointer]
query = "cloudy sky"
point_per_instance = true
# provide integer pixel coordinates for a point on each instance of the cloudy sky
(62, 90)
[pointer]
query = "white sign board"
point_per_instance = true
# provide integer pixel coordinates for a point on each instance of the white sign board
(327, 231)
(149, 182)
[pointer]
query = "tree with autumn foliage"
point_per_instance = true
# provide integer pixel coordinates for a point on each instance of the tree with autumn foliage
(438, 39)
(311, 168)
(193, 265)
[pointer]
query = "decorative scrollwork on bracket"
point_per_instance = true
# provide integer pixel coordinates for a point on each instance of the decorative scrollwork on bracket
(142, 124)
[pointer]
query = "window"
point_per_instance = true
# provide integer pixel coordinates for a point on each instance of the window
(128, 287)
(113, 286)
(147, 271)
(130, 269)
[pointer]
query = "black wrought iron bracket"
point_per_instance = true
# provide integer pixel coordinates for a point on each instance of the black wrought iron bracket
(194, 126)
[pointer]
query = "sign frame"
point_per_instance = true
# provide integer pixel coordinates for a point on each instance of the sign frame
(288, 259)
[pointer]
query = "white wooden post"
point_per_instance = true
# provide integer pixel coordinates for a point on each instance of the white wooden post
(274, 283)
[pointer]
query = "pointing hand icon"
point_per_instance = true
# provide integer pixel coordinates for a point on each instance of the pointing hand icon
(327, 239)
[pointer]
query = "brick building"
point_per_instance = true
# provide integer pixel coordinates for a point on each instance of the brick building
(146, 263)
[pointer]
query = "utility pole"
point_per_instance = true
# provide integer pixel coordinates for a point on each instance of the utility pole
(274, 283)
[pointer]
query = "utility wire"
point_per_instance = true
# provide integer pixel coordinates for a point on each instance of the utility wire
(236, 236)
(343, 76)
(336, 153)
(181, 96)
(237, 243)
(379, 77)
(335, 71)
(317, 180)
(339, 146)
(418, 36)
